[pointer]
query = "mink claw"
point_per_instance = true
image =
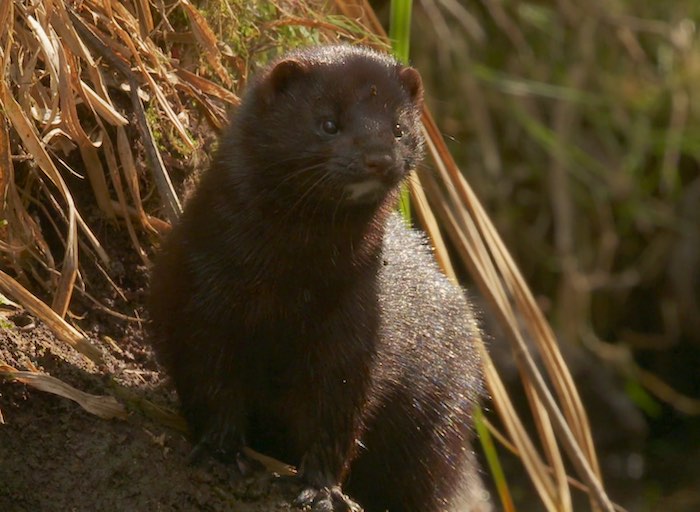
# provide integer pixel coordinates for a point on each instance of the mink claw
(325, 499)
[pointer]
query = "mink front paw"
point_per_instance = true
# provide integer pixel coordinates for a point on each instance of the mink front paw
(325, 499)
(228, 449)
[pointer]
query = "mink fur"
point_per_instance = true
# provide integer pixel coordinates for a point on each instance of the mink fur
(298, 315)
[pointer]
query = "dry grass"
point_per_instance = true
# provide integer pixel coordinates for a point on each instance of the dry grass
(106, 407)
(92, 78)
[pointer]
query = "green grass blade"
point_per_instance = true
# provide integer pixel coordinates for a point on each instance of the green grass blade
(493, 461)
(400, 35)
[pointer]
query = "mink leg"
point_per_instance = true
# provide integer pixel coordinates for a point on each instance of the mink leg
(324, 493)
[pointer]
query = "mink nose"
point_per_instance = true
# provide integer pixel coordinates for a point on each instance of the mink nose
(378, 162)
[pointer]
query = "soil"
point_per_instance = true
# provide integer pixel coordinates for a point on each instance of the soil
(56, 456)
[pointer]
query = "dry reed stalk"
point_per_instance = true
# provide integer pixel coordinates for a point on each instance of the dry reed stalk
(106, 407)
(63, 331)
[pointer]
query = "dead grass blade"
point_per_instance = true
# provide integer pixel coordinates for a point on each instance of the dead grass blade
(106, 407)
(111, 158)
(135, 402)
(161, 175)
(163, 182)
(272, 465)
(208, 87)
(5, 17)
(500, 281)
(208, 41)
(428, 221)
(58, 326)
(6, 175)
(102, 107)
(63, 70)
(202, 90)
(25, 129)
(172, 419)
(145, 17)
(126, 158)
(532, 461)
(156, 225)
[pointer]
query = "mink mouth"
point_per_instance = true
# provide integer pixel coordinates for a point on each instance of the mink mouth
(367, 190)
(372, 185)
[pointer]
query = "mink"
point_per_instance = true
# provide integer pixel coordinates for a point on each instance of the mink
(295, 311)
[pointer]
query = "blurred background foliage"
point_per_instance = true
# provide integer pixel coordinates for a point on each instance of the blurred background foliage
(577, 125)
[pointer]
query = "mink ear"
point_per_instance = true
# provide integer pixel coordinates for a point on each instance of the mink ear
(282, 75)
(411, 81)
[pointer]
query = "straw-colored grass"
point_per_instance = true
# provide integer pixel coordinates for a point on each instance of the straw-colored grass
(106, 407)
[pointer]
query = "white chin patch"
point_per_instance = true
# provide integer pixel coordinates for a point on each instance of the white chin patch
(364, 189)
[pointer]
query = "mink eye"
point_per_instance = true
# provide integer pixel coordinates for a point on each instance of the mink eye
(328, 126)
(398, 131)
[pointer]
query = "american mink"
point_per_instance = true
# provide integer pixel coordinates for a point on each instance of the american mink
(298, 315)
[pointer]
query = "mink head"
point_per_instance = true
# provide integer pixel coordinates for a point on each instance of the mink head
(336, 125)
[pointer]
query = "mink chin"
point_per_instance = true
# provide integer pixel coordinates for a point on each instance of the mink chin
(298, 315)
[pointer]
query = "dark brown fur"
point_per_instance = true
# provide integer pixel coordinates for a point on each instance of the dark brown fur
(297, 315)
